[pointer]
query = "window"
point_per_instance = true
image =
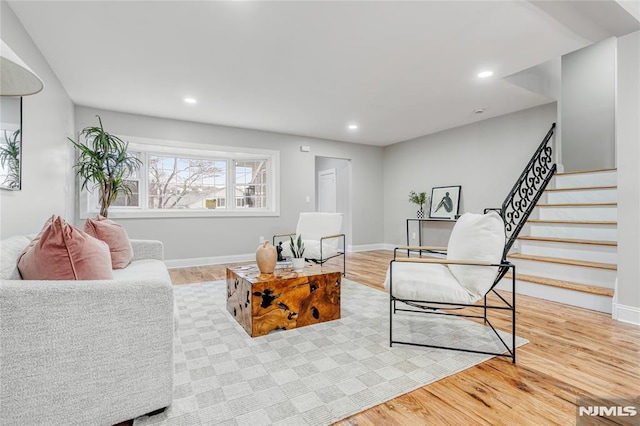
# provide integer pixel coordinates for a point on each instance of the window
(177, 182)
(179, 179)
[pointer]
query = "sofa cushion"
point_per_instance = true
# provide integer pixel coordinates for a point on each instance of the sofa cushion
(149, 269)
(62, 252)
(476, 237)
(10, 250)
(116, 238)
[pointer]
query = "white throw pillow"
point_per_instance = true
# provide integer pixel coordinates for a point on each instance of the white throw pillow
(476, 237)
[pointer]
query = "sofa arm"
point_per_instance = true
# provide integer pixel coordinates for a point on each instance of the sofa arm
(147, 249)
(94, 352)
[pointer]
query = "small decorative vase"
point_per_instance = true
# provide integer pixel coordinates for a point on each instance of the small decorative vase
(266, 257)
(298, 264)
(420, 214)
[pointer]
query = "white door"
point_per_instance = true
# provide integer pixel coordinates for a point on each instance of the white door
(327, 191)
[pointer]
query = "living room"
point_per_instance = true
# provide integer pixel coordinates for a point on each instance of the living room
(482, 155)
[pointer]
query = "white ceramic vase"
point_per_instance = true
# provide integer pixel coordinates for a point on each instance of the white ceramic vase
(298, 264)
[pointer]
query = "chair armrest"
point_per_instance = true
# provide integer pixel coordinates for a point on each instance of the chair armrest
(101, 344)
(147, 249)
(326, 237)
(423, 248)
(429, 249)
(273, 239)
(449, 261)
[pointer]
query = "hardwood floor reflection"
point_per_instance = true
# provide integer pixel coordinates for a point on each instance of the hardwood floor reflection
(572, 352)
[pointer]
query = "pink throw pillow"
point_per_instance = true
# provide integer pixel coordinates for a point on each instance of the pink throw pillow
(62, 252)
(115, 236)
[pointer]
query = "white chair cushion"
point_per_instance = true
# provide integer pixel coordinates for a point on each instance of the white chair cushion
(476, 237)
(313, 226)
(312, 248)
(426, 281)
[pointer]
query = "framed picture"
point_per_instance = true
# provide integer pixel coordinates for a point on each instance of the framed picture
(445, 202)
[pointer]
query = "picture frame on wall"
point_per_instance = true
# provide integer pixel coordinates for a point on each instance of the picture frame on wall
(445, 202)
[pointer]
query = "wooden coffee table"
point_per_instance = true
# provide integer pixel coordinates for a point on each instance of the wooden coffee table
(283, 300)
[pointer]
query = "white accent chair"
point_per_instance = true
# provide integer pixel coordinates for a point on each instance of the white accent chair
(473, 265)
(321, 235)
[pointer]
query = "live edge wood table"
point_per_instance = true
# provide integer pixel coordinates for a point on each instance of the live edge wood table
(262, 303)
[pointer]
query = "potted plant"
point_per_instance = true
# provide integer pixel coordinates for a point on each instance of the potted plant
(297, 251)
(104, 163)
(419, 199)
(10, 159)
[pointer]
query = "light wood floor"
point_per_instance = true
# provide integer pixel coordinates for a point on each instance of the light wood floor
(572, 352)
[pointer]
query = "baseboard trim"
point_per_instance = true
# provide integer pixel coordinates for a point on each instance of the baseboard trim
(624, 313)
(367, 247)
(215, 260)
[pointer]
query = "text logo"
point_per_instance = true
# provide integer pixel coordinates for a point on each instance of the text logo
(604, 411)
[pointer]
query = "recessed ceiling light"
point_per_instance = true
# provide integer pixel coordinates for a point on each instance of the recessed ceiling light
(190, 100)
(353, 127)
(485, 74)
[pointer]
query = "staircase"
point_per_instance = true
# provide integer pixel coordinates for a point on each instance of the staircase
(566, 251)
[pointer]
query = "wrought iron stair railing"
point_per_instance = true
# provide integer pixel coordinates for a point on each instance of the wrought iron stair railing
(523, 197)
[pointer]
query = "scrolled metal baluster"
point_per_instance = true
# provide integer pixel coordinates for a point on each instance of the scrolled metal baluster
(522, 198)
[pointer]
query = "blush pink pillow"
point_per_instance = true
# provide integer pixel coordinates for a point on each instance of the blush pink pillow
(116, 238)
(62, 252)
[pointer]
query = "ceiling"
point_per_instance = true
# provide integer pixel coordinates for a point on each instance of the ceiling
(397, 69)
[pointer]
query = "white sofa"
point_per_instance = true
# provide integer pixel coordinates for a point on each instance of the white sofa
(85, 352)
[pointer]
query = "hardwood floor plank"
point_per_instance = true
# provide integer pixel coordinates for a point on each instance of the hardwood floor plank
(572, 352)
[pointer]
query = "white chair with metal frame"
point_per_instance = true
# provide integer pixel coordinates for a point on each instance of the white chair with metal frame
(473, 265)
(321, 235)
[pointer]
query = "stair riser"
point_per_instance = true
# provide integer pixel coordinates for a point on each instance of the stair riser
(561, 295)
(590, 253)
(578, 213)
(581, 274)
(583, 196)
(586, 179)
(574, 231)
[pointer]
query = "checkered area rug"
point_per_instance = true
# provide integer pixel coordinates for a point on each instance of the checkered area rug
(313, 375)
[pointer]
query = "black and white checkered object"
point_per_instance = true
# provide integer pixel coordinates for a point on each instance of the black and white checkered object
(313, 375)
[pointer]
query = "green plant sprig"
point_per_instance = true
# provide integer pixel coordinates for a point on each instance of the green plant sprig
(418, 198)
(297, 248)
(10, 159)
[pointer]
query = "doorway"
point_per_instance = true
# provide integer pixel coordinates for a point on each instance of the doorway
(333, 190)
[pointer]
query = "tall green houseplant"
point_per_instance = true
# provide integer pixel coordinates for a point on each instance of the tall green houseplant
(104, 163)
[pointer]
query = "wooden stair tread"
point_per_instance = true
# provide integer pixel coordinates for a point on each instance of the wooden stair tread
(569, 285)
(569, 241)
(586, 171)
(575, 222)
(563, 261)
(581, 188)
(577, 205)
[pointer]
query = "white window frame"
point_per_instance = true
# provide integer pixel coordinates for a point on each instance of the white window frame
(89, 200)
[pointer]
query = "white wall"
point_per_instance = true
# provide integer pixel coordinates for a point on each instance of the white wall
(485, 158)
(588, 107)
(47, 178)
(188, 238)
(628, 156)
